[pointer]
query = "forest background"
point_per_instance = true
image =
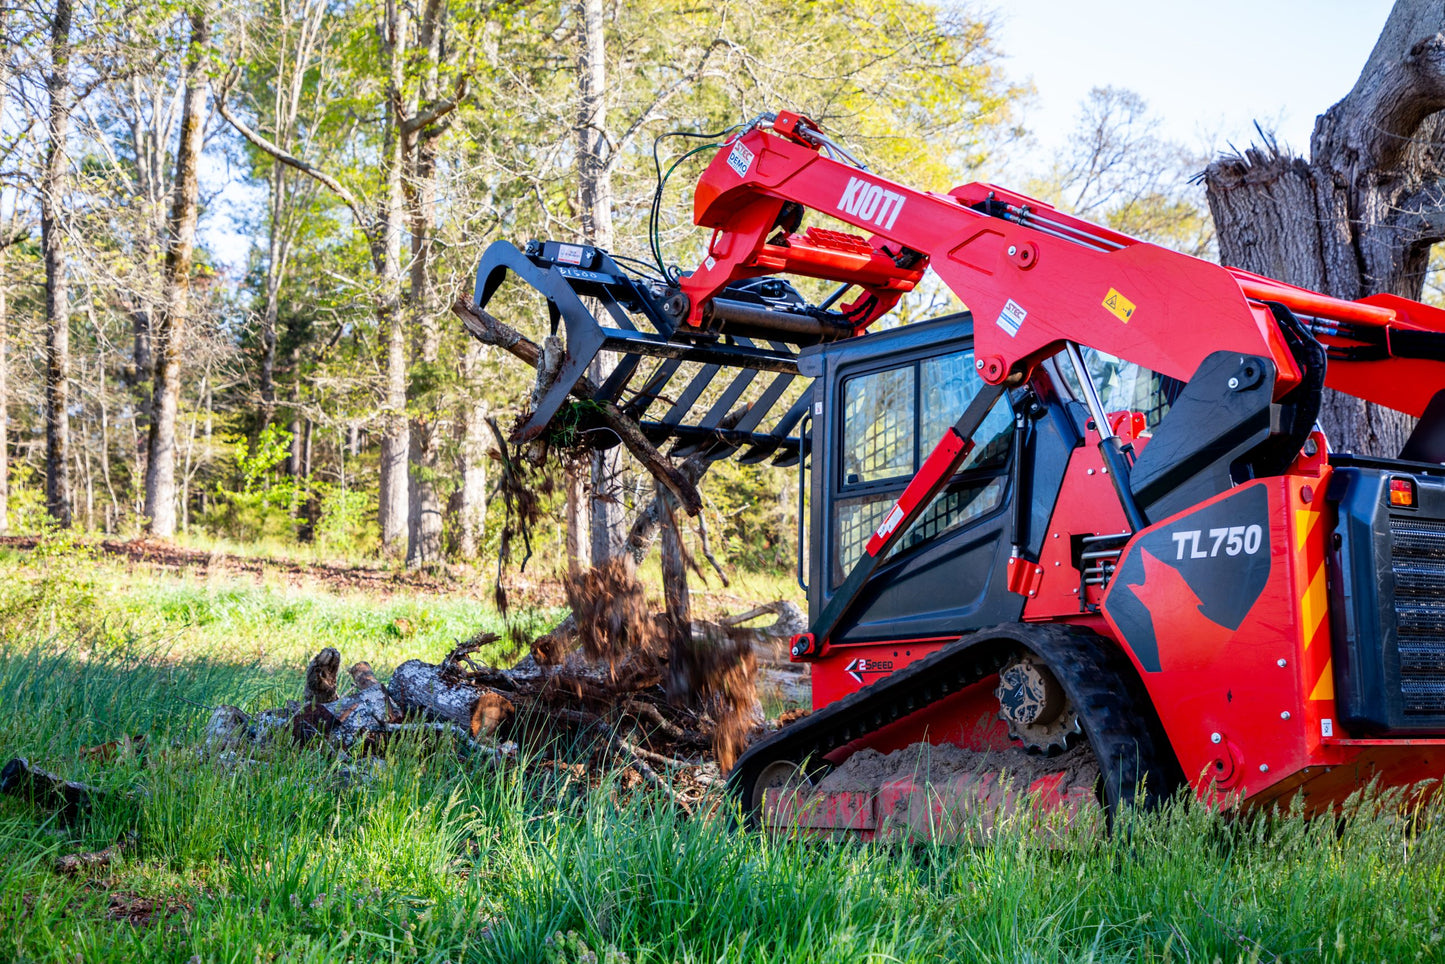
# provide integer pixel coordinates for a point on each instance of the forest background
(371, 150)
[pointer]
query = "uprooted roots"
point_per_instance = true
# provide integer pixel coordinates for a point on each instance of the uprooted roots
(712, 668)
(613, 618)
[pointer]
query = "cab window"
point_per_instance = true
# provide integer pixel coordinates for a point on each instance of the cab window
(892, 418)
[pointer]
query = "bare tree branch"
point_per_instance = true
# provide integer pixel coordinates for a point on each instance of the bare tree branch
(292, 161)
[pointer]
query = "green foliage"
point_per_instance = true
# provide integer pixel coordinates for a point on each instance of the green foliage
(571, 948)
(25, 500)
(755, 513)
(348, 520)
(58, 590)
(262, 509)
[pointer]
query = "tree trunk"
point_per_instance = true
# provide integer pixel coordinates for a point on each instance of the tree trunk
(4, 396)
(293, 428)
(4, 319)
(139, 382)
(471, 508)
(594, 177)
(161, 465)
(391, 322)
(286, 107)
(579, 548)
(53, 189)
(1360, 215)
(676, 598)
(272, 310)
(424, 534)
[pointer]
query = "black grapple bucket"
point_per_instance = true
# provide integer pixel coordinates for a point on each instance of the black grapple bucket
(698, 388)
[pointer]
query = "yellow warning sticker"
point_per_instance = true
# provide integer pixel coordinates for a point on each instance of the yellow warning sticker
(1119, 306)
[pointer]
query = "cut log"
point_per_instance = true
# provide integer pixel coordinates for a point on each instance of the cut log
(44, 789)
(491, 711)
(312, 722)
(227, 727)
(321, 677)
(423, 688)
(362, 715)
(362, 676)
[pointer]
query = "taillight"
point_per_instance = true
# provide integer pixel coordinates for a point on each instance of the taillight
(1402, 492)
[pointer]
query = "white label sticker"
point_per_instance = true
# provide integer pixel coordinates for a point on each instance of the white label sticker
(891, 522)
(709, 262)
(570, 254)
(740, 159)
(1012, 317)
(1327, 727)
(817, 408)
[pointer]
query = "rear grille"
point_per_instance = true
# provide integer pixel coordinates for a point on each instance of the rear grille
(1418, 563)
(1418, 538)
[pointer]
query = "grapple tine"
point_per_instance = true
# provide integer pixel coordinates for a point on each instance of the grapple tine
(634, 322)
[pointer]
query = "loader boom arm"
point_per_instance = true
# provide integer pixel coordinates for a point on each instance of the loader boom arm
(1036, 278)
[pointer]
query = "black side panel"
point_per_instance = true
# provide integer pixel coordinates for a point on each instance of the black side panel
(1212, 425)
(1427, 442)
(1387, 600)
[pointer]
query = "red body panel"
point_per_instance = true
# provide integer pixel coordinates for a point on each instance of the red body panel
(1247, 701)
(1271, 719)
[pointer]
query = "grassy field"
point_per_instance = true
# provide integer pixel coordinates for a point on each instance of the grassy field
(295, 858)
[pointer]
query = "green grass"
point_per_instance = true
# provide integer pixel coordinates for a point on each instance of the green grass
(419, 857)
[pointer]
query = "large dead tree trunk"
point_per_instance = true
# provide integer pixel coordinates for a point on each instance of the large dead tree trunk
(160, 478)
(54, 185)
(1360, 215)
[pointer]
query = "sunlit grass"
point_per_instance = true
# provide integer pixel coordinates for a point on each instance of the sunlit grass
(299, 856)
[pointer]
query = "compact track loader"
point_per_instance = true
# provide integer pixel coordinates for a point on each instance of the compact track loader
(1092, 518)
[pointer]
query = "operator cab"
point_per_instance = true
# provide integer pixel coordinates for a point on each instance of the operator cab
(879, 404)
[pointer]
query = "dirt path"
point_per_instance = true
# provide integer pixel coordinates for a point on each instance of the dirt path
(371, 580)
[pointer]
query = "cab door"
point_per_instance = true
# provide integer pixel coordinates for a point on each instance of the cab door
(889, 402)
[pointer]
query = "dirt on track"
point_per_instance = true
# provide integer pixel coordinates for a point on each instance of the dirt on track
(939, 764)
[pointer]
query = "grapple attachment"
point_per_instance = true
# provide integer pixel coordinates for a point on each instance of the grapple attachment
(701, 374)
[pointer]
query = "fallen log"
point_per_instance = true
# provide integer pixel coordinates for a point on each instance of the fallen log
(73, 864)
(321, 677)
(44, 789)
(423, 687)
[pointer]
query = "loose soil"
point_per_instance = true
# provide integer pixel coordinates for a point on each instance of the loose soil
(938, 765)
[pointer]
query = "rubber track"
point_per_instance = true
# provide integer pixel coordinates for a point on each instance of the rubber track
(1115, 711)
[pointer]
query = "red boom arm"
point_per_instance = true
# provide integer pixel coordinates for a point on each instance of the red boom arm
(1033, 276)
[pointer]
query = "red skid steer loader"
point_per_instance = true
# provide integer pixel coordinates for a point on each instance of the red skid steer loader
(1087, 529)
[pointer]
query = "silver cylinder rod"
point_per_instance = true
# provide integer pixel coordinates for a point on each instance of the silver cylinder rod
(1111, 450)
(1091, 394)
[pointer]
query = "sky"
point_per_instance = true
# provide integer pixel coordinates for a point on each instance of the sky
(1208, 68)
